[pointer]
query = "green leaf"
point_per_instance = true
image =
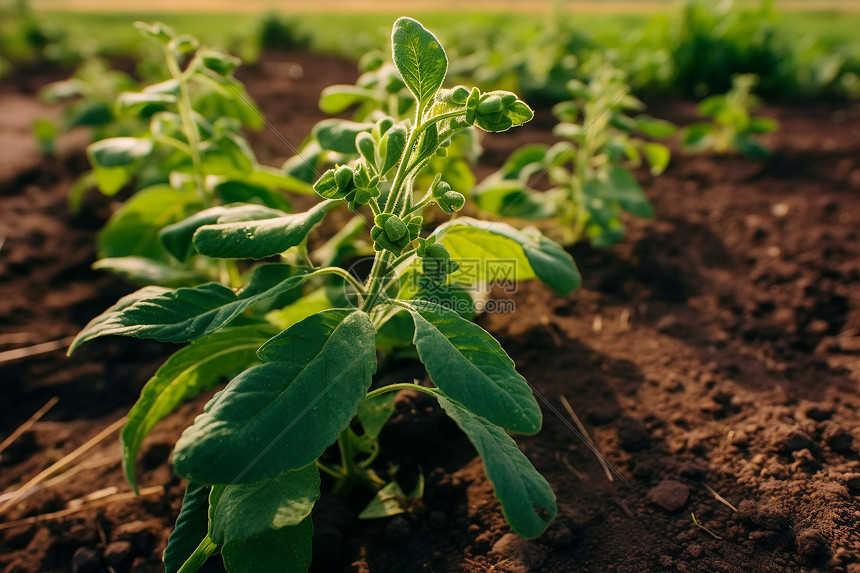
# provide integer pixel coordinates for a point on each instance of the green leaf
(386, 502)
(191, 527)
(235, 191)
(623, 189)
(696, 136)
(276, 179)
(374, 413)
(654, 128)
(133, 229)
(763, 125)
(417, 286)
(339, 134)
(469, 365)
(491, 249)
(149, 272)
(243, 511)
(128, 102)
(227, 156)
(419, 58)
(191, 370)
(528, 501)
(337, 98)
(285, 550)
(176, 238)
(312, 303)
(258, 239)
(187, 313)
(116, 160)
(510, 198)
(658, 156)
(283, 414)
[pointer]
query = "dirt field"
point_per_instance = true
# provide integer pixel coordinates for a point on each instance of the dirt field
(713, 357)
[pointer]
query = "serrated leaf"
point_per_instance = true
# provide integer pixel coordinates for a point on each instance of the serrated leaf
(528, 501)
(185, 314)
(285, 550)
(191, 370)
(283, 414)
(497, 247)
(191, 527)
(469, 365)
(419, 58)
(257, 239)
(243, 511)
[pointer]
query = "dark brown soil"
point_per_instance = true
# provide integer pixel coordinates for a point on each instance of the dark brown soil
(713, 357)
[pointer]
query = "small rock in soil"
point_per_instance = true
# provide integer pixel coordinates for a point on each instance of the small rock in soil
(811, 545)
(670, 495)
(633, 434)
(119, 554)
(795, 439)
(397, 530)
(522, 556)
(86, 560)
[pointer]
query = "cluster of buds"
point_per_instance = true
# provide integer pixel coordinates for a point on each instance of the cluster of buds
(435, 260)
(391, 233)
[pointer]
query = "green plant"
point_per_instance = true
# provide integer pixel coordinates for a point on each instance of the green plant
(182, 148)
(279, 33)
(89, 96)
(732, 126)
(253, 457)
(588, 170)
(711, 42)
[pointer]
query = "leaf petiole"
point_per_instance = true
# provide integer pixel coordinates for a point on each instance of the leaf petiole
(206, 549)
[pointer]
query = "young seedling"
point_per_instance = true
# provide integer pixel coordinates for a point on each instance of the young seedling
(252, 458)
(732, 127)
(589, 170)
(183, 148)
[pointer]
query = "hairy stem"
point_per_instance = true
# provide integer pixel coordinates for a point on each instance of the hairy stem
(189, 126)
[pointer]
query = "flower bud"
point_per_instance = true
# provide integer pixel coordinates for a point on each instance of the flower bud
(451, 201)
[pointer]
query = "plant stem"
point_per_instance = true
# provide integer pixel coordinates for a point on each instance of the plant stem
(330, 471)
(397, 388)
(199, 557)
(189, 126)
